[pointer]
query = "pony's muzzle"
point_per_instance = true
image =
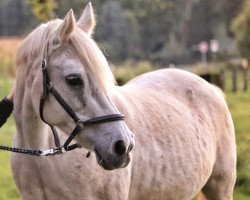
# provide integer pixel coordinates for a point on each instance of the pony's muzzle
(118, 157)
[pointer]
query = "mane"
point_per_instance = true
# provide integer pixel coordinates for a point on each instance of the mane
(33, 44)
(31, 50)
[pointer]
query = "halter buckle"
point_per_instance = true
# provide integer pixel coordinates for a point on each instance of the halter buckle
(54, 151)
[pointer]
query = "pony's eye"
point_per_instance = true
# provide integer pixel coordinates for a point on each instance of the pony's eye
(74, 80)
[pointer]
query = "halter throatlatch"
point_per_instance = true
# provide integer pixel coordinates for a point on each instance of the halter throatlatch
(48, 89)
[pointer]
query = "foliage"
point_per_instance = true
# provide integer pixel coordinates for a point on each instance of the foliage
(155, 30)
(157, 20)
(44, 10)
(12, 10)
(231, 9)
(63, 6)
(123, 73)
(241, 29)
(211, 68)
(112, 30)
(199, 26)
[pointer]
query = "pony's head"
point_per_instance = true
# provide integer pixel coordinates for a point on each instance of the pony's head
(81, 75)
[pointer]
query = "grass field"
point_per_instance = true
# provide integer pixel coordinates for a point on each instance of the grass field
(7, 188)
(239, 105)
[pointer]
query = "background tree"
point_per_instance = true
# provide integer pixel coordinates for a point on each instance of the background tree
(13, 11)
(112, 30)
(231, 9)
(44, 10)
(199, 26)
(150, 29)
(160, 26)
(241, 30)
(63, 6)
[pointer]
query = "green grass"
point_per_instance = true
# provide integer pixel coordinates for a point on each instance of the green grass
(7, 187)
(239, 105)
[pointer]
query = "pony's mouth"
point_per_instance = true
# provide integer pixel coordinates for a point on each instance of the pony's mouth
(113, 163)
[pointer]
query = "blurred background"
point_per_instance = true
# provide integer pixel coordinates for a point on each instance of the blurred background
(208, 37)
(159, 31)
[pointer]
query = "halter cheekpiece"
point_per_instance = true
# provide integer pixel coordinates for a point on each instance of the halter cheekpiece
(48, 89)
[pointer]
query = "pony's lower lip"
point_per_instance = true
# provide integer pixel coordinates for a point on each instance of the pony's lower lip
(104, 164)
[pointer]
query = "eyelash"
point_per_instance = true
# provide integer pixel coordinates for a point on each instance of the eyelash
(74, 80)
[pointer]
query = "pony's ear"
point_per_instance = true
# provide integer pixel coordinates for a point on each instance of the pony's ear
(87, 20)
(67, 26)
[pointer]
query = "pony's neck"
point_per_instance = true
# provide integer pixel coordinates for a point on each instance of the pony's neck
(31, 131)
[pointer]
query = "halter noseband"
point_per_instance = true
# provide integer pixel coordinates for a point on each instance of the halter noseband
(48, 88)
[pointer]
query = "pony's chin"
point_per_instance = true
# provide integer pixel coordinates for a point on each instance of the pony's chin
(123, 162)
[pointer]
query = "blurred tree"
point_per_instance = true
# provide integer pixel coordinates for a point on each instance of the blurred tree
(159, 22)
(231, 9)
(112, 30)
(241, 29)
(134, 41)
(44, 10)
(11, 17)
(141, 29)
(63, 6)
(151, 15)
(199, 26)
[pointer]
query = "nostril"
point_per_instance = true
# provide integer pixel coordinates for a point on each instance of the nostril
(120, 148)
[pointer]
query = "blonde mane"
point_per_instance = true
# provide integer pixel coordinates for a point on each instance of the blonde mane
(31, 51)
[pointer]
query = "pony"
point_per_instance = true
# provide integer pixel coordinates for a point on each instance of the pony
(177, 138)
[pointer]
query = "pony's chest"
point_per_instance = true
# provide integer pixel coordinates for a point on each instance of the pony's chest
(68, 179)
(41, 180)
